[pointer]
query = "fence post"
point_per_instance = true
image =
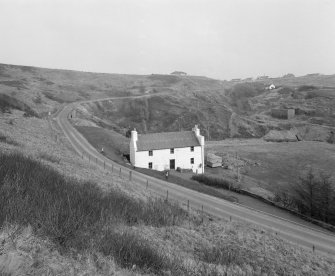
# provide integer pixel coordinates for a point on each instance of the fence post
(120, 172)
(167, 195)
(147, 184)
(130, 172)
(313, 248)
(188, 205)
(112, 168)
(202, 213)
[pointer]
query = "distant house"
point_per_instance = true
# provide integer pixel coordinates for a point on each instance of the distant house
(168, 150)
(271, 86)
(178, 73)
(283, 113)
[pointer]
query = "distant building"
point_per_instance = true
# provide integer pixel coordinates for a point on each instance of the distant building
(178, 73)
(168, 150)
(283, 113)
(235, 80)
(272, 86)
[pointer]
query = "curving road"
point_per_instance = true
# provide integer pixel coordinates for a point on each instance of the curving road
(322, 241)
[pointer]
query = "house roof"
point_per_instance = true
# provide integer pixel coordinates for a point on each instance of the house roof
(166, 140)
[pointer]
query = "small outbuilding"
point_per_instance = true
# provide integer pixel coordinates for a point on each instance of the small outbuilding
(283, 113)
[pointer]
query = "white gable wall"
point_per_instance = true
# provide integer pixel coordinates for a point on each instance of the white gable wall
(161, 159)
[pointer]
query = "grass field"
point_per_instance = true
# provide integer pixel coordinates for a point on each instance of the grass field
(280, 163)
(114, 144)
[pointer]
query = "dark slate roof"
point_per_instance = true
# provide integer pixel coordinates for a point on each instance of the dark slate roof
(166, 140)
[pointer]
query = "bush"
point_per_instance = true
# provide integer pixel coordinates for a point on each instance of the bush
(216, 182)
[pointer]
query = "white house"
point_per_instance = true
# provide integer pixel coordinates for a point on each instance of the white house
(168, 150)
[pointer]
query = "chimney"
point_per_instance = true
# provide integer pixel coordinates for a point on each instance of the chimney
(134, 135)
(196, 130)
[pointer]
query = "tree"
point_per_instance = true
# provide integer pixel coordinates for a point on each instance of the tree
(307, 192)
(327, 195)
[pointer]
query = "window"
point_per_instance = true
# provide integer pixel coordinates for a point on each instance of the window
(192, 148)
(150, 153)
(172, 150)
(150, 165)
(192, 160)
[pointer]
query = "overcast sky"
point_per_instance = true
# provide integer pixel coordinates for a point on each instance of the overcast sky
(222, 39)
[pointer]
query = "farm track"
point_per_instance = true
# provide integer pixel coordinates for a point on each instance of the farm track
(322, 241)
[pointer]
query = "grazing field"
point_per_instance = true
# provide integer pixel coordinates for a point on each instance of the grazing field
(279, 164)
(113, 144)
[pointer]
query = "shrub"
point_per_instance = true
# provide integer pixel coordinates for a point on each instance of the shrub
(215, 182)
(8, 140)
(37, 99)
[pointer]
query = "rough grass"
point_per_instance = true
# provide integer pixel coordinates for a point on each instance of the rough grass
(72, 213)
(7, 140)
(48, 157)
(7, 103)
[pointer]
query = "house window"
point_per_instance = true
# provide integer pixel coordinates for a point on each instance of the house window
(172, 150)
(192, 160)
(150, 153)
(150, 165)
(192, 148)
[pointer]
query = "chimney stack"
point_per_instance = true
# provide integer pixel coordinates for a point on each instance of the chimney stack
(134, 135)
(196, 130)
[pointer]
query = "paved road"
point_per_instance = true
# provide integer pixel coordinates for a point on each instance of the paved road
(323, 241)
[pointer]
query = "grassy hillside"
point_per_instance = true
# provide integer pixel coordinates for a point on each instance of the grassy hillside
(165, 113)
(222, 109)
(80, 230)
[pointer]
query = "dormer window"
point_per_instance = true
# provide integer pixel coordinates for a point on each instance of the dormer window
(192, 148)
(151, 153)
(172, 150)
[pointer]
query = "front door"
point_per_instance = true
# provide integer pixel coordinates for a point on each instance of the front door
(172, 164)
